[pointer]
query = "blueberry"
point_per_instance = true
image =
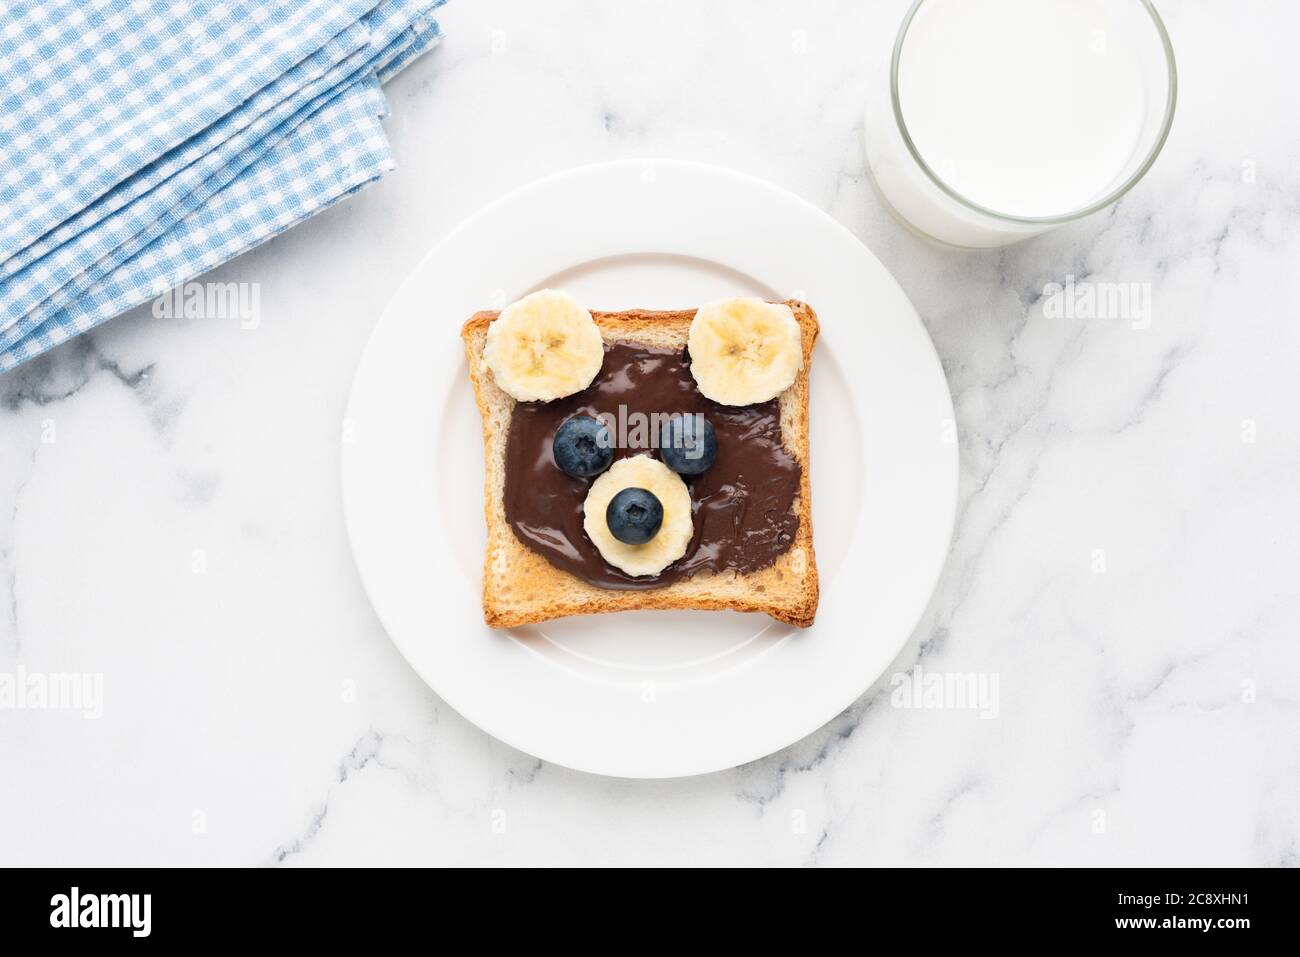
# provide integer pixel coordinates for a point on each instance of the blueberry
(634, 515)
(688, 445)
(582, 446)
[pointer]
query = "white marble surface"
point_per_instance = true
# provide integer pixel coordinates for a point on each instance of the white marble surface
(1149, 712)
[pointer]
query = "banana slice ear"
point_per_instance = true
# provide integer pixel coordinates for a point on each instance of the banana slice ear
(744, 350)
(544, 346)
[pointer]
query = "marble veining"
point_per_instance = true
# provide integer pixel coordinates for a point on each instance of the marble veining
(1124, 559)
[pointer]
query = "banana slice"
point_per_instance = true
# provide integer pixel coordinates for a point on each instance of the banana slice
(544, 346)
(674, 535)
(744, 350)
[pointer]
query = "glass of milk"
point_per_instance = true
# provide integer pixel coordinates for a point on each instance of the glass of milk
(1006, 118)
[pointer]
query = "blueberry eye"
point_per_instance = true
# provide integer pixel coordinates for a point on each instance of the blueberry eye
(582, 447)
(687, 444)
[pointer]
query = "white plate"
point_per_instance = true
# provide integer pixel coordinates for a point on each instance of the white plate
(652, 694)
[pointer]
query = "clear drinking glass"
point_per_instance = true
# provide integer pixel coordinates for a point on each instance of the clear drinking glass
(1006, 118)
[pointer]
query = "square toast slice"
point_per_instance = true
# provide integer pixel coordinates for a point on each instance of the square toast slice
(521, 587)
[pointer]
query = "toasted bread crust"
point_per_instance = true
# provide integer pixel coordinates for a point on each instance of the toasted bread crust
(521, 587)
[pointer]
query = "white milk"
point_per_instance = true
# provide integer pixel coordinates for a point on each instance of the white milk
(1028, 108)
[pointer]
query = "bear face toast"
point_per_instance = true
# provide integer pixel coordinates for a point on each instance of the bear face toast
(671, 474)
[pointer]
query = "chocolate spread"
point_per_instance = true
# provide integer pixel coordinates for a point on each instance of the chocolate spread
(743, 504)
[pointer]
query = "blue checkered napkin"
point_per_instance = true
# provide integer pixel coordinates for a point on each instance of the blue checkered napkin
(418, 31)
(61, 274)
(53, 282)
(95, 90)
(380, 24)
(331, 154)
(347, 41)
(322, 141)
(423, 34)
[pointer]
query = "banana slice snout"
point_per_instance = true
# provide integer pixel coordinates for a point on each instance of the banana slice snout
(544, 346)
(744, 351)
(675, 531)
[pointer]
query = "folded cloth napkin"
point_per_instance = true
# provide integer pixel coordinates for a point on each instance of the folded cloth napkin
(304, 134)
(177, 167)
